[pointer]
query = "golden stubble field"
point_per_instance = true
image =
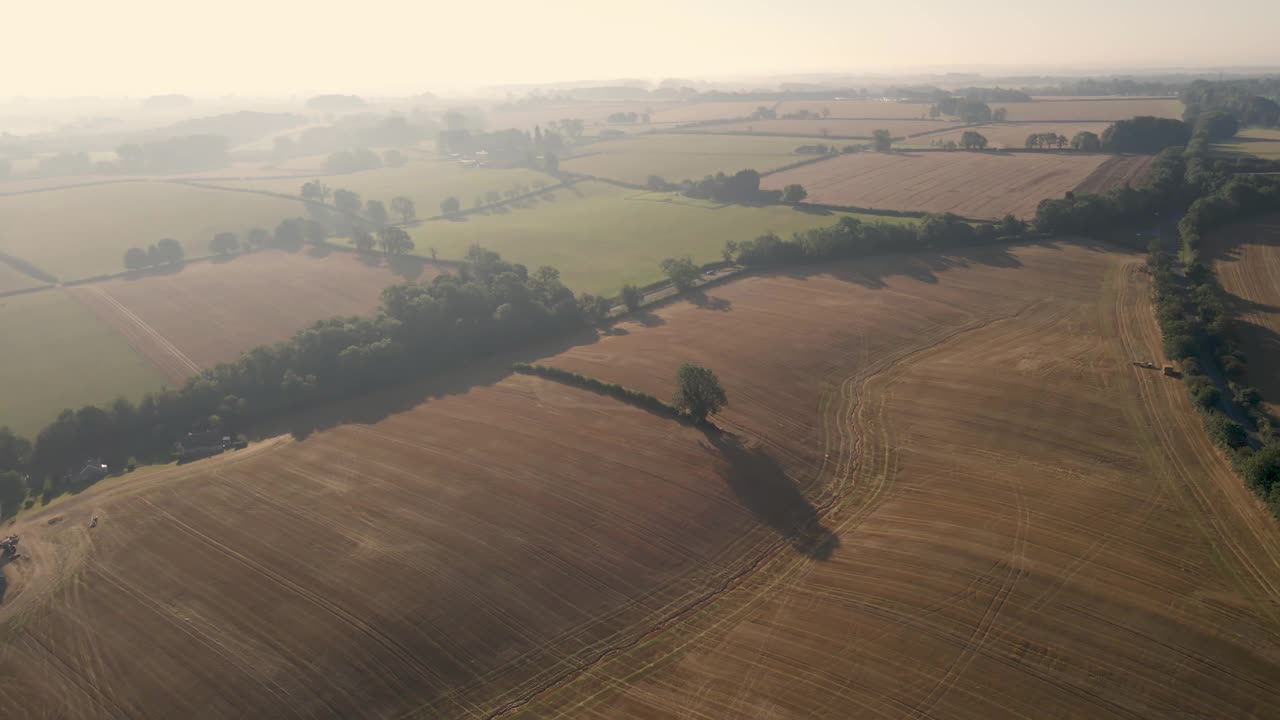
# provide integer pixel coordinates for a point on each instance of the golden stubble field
(970, 184)
(941, 490)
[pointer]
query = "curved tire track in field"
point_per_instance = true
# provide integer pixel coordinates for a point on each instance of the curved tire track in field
(1190, 486)
(859, 429)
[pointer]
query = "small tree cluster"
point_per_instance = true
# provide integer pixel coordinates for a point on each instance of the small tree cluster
(165, 252)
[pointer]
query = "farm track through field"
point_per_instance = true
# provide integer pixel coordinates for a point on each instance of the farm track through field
(145, 339)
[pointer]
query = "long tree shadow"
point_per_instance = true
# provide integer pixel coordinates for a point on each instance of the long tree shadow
(372, 403)
(760, 483)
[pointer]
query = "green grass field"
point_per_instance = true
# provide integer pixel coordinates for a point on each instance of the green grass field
(59, 357)
(601, 236)
(425, 181)
(83, 232)
(1259, 142)
(676, 157)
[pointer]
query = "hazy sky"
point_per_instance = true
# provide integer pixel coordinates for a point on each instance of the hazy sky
(140, 47)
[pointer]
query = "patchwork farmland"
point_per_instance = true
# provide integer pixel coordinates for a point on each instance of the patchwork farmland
(1010, 135)
(969, 184)
(888, 479)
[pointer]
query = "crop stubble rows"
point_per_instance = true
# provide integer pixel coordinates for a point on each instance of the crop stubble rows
(1024, 524)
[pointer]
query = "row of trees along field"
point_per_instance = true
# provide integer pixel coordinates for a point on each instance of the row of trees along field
(486, 306)
(1194, 318)
(742, 187)
(852, 238)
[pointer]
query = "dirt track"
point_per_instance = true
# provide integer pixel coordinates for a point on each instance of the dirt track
(944, 492)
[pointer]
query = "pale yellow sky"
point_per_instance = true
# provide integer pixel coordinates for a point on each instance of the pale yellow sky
(141, 47)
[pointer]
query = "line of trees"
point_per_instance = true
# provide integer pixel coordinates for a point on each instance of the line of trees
(1247, 102)
(852, 237)
(1046, 140)
(165, 252)
(1145, 134)
(486, 306)
(698, 392)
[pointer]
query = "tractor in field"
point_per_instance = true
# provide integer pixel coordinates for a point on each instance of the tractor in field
(9, 547)
(1169, 371)
(1145, 364)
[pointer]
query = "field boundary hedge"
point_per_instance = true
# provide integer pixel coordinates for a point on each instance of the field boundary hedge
(26, 267)
(642, 400)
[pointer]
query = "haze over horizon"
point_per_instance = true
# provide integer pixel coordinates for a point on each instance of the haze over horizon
(143, 47)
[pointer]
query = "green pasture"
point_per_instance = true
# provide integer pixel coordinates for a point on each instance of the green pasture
(84, 231)
(426, 181)
(601, 236)
(1259, 142)
(675, 157)
(59, 356)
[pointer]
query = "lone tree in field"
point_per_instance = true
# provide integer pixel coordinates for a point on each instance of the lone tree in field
(224, 243)
(631, 296)
(1086, 141)
(346, 201)
(315, 191)
(450, 205)
(257, 237)
(394, 241)
(169, 251)
(404, 209)
(971, 140)
(363, 240)
(794, 193)
(376, 212)
(681, 271)
(698, 392)
(882, 139)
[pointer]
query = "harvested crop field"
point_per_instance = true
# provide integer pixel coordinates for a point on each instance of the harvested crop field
(829, 127)
(1253, 142)
(941, 489)
(1092, 110)
(698, 112)
(679, 156)
(970, 184)
(1026, 526)
(1246, 260)
(1012, 135)
(1116, 172)
(212, 312)
(857, 108)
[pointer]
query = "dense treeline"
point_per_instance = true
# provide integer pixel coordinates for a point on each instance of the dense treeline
(851, 237)
(741, 187)
(1145, 134)
(486, 306)
(1249, 102)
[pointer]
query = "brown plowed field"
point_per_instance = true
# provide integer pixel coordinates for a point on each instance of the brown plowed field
(1246, 260)
(942, 490)
(971, 184)
(211, 312)
(1116, 171)
(830, 127)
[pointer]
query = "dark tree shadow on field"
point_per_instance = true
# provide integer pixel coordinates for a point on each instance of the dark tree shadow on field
(646, 318)
(708, 302)
(811, 210)
(408, 267)
(372, 403)
(372, 259)
(875, 271)
(761, 485)
(224, 259)
(457, 218)
(322, 250)
(4, 581)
